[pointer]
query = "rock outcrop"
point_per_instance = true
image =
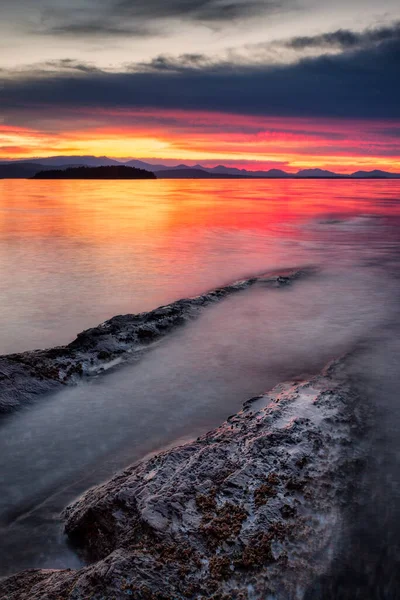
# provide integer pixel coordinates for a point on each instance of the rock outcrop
(26, 376)
(252, 510)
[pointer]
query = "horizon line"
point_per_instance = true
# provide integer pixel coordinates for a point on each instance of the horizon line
(183, 165)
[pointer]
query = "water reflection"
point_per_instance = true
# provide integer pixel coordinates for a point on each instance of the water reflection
(73, 254)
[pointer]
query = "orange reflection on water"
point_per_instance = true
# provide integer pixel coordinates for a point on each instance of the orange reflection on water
(75, 253)
(113, 211)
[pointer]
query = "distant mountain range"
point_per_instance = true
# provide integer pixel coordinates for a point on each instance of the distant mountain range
(25, 169)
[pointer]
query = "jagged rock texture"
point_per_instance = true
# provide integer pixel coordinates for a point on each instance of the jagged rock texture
(27, 376)
(251, 510)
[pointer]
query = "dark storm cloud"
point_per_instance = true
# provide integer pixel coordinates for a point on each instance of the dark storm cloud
(180, 63)
(346, 39)
(97, 29)
(363, 83)
(341, 39)
(69, 64)
(203, 10)
(143, 18)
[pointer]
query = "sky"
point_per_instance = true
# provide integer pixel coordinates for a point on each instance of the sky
(258, 84)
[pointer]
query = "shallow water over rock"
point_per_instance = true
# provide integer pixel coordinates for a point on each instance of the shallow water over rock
(191, 380)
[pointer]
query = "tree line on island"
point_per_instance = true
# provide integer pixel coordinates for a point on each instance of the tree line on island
(109, 172)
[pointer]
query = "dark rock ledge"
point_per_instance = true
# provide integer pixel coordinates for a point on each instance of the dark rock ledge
(252, 510)
(25, 376)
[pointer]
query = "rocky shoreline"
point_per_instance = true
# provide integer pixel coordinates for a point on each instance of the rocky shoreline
(25, 377)
(250, 510)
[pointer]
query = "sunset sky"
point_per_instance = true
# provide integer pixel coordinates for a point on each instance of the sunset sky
(253, 83)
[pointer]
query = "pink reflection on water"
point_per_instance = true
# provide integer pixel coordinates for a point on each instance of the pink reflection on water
(73, 254)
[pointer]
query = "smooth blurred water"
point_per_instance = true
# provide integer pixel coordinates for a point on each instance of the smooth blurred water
(97, 249)
(74, 253)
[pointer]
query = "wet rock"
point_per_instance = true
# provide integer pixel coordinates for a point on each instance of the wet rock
(238, 513)
(25, 377)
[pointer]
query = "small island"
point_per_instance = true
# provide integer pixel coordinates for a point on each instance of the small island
(113, 172)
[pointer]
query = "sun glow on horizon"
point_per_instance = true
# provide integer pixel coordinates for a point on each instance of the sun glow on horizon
(238, 140)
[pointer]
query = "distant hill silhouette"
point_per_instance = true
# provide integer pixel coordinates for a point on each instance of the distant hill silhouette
(28, 168)
(271, 173)
(24, 170)
(84, 161)
(112, 172)
(317, 173)
(376, 174)
(188, 173)
(140, 164)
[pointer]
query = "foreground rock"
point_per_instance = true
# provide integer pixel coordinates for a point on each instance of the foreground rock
(24, 377)
(252, 510)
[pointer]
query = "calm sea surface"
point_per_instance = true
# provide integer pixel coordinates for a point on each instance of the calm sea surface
(73, 254)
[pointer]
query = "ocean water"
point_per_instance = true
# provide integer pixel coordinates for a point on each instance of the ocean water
(75, 253)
